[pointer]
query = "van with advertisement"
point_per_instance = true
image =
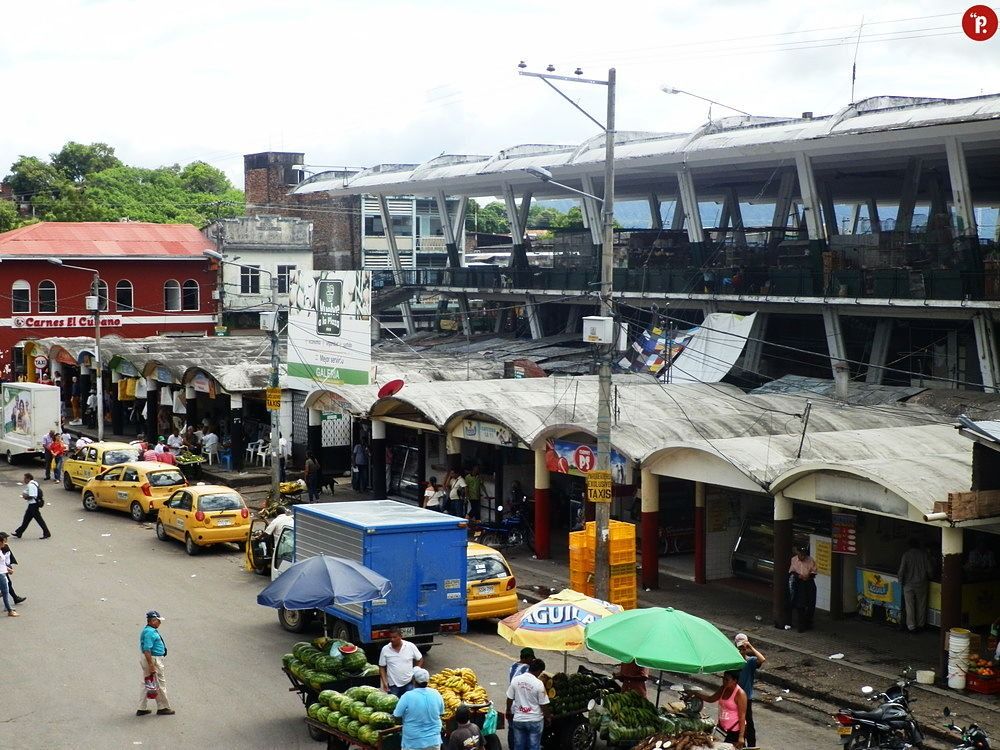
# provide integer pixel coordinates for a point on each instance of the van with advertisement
(30, 410)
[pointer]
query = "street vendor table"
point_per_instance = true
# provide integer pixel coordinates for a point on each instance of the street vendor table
(310, 695)
(389, 739)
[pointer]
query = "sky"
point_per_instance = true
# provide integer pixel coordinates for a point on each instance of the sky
(360, 83)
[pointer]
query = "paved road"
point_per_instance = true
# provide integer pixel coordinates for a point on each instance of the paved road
(69, 675)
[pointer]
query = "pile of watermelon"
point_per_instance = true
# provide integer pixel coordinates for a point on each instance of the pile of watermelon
(325, 661)
(361, 712)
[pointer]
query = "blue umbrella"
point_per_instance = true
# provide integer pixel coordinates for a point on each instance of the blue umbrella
(320, 581)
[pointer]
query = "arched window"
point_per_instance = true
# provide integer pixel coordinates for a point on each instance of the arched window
(20, 297)
(189, 295)
(171, 296)
(123, 296)
(102, 294)
(46, 296)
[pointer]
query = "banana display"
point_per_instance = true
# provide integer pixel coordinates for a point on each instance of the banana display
(458, 686)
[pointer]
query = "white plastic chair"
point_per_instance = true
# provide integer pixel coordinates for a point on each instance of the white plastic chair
(211, 453)
(252, 449)
(264, 453)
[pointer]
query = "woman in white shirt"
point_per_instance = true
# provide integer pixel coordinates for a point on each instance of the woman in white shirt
(456, 493)
(433, 496)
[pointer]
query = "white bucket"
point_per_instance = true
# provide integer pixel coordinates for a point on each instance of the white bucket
(958, 657)
(925, 676)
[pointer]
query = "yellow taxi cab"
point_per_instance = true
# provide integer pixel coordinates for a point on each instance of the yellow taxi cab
(91, 459)
(491, 587)
(137, 488)
(202, 515)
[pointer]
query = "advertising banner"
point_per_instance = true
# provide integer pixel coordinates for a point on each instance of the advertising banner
(845, 533)
(17, 410)
(329, 329)
(565, 457)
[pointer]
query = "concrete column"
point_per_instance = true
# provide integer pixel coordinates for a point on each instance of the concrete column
(117, 411)
(755, 344)
(699, 533)
(880, 351)
(951, 587)
(452, 234)
(829, 209)
(838, 351)
(782, 205)
(543, 534)
(237, 446)
(736, 217)
(692, 215)
(314, 433)
(836, 578)
(677, 216)
(534, 319)
(986, 349)
(966, 231)
(152, 406)
(518, 255)
(649, 489)
(378, 460)
(655, 217)
(908, 195)
(395, 262)
(782, 556)
(453, 447)
(873, 220)
(810, 202)
(855, 218)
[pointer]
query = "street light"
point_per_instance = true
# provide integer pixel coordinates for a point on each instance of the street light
(97, 339)
(273, 333)
(672, 90)
(602, 510)
(546, 176)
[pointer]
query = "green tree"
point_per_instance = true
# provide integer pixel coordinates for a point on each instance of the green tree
(29, 176)
(572, 219)
(199, 177)
(9, 218)
(77, 160)
(490, 219)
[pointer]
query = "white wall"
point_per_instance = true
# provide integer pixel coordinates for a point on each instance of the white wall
(268, 260)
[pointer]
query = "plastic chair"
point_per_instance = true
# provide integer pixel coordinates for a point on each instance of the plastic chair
(211, 453)
(264, 452)
(252, 449)
(226, 459)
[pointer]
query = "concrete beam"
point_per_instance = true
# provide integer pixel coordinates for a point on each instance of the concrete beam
(534, 320)
(655, 217)
(810, 197)
(782, 206)
(961, 193)
(397, 266)
(677, 218)
(873, 218)
(689, 200)
(838, 351)
(829, 209)
(518, 256)
(986, 350)
(908, 195)
(880, 351)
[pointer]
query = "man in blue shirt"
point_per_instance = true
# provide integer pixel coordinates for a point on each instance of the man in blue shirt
(754, 661)
(420, 710)
(152, 651)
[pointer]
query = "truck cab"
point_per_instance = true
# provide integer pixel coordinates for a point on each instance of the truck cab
(422, 552)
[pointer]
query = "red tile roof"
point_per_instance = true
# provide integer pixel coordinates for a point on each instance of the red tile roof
(103, 240)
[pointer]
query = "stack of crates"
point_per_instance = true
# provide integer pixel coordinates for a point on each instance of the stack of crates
(582, 548)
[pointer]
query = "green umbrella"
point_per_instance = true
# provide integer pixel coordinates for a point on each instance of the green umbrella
(665, 639)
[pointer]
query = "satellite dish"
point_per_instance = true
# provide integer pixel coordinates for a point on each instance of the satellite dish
(391, 388)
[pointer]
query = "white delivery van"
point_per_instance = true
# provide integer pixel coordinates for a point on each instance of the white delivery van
(29, 411)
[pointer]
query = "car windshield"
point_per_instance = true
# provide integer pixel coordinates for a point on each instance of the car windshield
(165, 478)
(219, 502)
(120, 456)
(484, 567)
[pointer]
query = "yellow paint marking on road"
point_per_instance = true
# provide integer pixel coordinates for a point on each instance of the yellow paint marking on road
(484, 648)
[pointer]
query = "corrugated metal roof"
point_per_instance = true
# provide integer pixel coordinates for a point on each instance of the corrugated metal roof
(104, 239)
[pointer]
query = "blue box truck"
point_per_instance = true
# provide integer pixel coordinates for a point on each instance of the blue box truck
(422, 552)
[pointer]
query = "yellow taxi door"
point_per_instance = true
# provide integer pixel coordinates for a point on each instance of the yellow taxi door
(104, 488)
(90, 465)
(127, 488)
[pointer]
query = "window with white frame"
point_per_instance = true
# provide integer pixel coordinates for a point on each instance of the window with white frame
(172, 296)
(20, 297)
(284, 274)
(124, 296)
(250, 279)
(189, 295)
(46, 296)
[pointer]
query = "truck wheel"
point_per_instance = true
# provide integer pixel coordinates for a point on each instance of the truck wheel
(190, 547)
(68, 482)
(342, 631)
(89, 501)
(138, 514)
(293, 620)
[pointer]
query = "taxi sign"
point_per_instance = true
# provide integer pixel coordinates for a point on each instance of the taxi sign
(599, 487)
(274, 399)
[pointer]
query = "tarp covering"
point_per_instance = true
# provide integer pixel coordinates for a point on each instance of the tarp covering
(712, 349)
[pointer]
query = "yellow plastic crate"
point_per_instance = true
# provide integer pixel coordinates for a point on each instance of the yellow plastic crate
(626, 603)
(623, 581)
(624, 592)
(581, 560)
(579, 579)
(622, 553)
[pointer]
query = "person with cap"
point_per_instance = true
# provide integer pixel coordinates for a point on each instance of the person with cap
(420, 711)
(10, 561)
(396, 663)
(528, 707)
(802, 574)
(152, 652)
(754, 661)
(5, 570)
(466, 735)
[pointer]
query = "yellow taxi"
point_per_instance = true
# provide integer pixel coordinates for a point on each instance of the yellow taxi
(202, 515)
(89, 460)
(491, 587)
(138, 488)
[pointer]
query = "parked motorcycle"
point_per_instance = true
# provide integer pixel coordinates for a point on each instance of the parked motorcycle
(513, 531)
(890, 725)
(973, 737)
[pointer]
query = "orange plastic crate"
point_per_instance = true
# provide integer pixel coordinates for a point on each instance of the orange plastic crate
(581, 560)
(624, 592)
(622, 553)
(578, 579)
(627, 603)
(578, 540)
(619, 582)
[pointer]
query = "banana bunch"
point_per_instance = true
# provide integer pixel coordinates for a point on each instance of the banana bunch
(477, 696)
(457, 681)
(451, 702)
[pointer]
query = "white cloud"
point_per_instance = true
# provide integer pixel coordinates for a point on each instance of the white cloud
(358, 83)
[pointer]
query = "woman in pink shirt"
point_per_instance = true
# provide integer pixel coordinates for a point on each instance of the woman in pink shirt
(732, 702)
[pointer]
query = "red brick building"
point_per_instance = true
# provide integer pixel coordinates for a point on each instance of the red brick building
(154, 280)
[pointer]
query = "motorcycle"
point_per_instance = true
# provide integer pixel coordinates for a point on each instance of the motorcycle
(890, 725)
(973, 737)
(513, 530)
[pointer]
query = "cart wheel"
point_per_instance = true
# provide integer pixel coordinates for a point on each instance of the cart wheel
(316, 734)
(578, 736)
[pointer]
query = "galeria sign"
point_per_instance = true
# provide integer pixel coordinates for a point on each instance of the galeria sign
(65, 321)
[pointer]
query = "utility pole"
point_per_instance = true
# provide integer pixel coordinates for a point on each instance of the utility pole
(276, 453)
(97, 357)
(602, 511)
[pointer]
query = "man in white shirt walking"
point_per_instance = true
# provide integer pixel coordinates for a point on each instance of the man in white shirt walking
(396, 663)
(528, 707)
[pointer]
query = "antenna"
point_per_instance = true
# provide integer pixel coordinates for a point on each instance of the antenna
(854, 65)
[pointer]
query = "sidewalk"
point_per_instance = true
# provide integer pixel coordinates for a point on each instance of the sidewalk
(797, 662)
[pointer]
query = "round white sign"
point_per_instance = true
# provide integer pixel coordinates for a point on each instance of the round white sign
(41, 362)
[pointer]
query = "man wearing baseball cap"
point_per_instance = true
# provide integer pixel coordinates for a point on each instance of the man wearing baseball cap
(420, 710)
(754, 661)
(153, 650)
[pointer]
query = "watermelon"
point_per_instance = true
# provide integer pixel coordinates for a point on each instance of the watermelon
(354, 659)
(335, 699)
(324, 697)
(321, 713)
(365, 714)
(347, 706)
(369, 670)
(311, 711)
(299, 646)
(309, 656)
(322, 643)
(333, 719)
(343, 722)
(353, 727)
(287, 659)
(356, 693)
(374, 698)
(381, 720)
(388, 703)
